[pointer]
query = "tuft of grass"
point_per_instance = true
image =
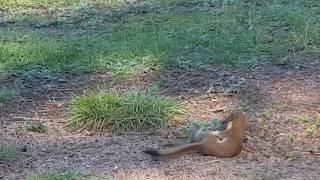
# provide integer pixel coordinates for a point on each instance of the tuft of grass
(7, 153)
(38, 128)
(314, 128)
(6, 95)
(310, 131)
(301, 119)
(267, 114)
(134, 111)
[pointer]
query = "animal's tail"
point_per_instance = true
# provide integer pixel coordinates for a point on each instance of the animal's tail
(174, 150)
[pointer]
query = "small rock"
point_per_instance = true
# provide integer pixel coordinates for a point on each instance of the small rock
(24, 148)
(269, 39)
(252, 157)
(289, 73)
(61, 80)
(226, 74)
(241, 81)
(231, 90)
(71, 155)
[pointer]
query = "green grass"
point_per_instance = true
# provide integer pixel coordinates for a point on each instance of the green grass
(51, 5)
(7, 153)
(6, 95)
(134, 111)
(313, 128)
(23, 4)
(301, 119)
(37, 54)
(65, 174)
(37, 127)
(232, 33)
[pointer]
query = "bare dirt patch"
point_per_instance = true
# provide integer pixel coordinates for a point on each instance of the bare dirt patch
(281, 101)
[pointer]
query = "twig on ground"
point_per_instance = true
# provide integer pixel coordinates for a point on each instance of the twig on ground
(205, 163)
(20, 119)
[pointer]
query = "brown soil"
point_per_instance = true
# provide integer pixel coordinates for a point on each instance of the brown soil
(281, 102)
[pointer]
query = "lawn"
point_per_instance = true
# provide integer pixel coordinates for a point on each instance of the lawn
(97, 81)
(52, 37)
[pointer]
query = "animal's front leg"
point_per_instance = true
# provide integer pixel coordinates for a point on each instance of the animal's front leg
(219, 134)
(196, 133)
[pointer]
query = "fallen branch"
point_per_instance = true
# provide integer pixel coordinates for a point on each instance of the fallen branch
(305, 103)
(209, 162)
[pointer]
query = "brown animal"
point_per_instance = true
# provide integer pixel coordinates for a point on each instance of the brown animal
(222, 144)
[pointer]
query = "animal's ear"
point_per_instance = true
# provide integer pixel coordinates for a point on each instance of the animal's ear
(227, 119)
(233, 114)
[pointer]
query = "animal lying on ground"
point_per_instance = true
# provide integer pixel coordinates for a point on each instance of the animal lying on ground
(224, 144)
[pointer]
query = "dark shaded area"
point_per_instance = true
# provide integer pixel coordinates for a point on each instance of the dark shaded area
(92, 18)
(46, 94)
(97, 17)
(211, 81)
(252, 86)
(152, 152)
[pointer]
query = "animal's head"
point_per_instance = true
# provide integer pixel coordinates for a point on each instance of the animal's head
(237, 119)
